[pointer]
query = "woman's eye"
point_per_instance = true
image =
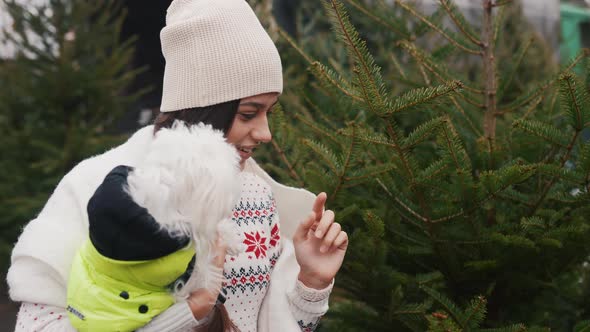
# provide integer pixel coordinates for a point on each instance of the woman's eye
(248, 116)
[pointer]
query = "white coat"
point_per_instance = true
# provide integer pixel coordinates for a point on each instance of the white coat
(41, 259)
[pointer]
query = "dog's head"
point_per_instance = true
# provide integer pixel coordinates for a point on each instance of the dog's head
(189, 180)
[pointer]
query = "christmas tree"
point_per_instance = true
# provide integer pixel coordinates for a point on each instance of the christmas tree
(452, 150)
(59, 96)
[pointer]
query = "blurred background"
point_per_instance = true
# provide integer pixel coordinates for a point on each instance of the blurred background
(111, 94)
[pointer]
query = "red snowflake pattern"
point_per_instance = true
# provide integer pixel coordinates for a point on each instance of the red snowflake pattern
(256, 244)
(274, 235)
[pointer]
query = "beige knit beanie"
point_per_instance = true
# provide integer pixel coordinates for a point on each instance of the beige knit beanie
(216, 51)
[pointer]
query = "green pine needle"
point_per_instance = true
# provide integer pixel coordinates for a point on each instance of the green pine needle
(575, 100)
(422, 97)
(424, 131)
(546, 131)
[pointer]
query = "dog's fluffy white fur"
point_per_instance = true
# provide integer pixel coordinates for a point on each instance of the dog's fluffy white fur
(189, 183)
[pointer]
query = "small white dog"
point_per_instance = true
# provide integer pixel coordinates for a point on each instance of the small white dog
(189, 183)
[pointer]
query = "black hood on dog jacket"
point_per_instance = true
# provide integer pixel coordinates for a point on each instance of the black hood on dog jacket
(120, 229)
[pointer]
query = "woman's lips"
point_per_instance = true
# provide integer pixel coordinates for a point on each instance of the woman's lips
(245, 153)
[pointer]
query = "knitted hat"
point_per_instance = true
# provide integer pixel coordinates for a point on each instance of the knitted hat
(216, 51)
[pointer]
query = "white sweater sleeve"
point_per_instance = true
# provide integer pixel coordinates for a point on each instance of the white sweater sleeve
(178, 317)
(308, 305)
(42, 318)
(45, 318)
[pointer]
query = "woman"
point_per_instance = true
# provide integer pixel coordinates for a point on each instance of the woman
(222, 69)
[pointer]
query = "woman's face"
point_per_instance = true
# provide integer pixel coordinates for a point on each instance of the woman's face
(250, 126)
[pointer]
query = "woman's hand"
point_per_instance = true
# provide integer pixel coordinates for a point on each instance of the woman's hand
(320, 245)
(202, 300)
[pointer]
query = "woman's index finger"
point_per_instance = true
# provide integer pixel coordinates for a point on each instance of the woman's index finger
(319, 205)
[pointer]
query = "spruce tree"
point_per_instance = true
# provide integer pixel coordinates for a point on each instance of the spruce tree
(451, 150)
(59, 96)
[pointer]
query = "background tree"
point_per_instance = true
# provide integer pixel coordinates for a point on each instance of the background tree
(451, 148)
(59, 97)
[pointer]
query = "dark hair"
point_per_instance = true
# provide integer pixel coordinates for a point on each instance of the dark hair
(218, 322)
(219, 116)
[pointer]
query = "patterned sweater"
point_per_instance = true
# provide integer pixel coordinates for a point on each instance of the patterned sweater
(247, 276)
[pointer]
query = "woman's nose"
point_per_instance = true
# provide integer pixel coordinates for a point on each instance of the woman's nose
(261, 132)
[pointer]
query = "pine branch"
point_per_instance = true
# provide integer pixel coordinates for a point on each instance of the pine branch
(427, 61)
(368, 73)
(551, 182)
(455, 148)
(515, 196)
(489, 63)
(346, 164)
(551, 106)
(406, 207)
(541, 88)
(505, 84)
(292, 171)
(316, 127)
(423, 131)
(406, 237)
(448, 217)
(583, 54)
(498, 21)
(584, 163)
(369, 173)
(323, 72)
(400, 151)
(470, 101)
(397, 29)
(422, 97)
(397, 65)
(370, 137)
(492, 182)
(293, 44)
(421, 29)
(583, 326)
(527, 97)
(461, 110)
(545, 131)
(575, 101)
(447, 304)
(436, 28)
(530, 108)
(475, 313)
(317, 111)
(375, 225)
(518, 241)
(460, 21)
(497, 182)
(575, 98)
(326, 154)
(433, 171)
(406, 162)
